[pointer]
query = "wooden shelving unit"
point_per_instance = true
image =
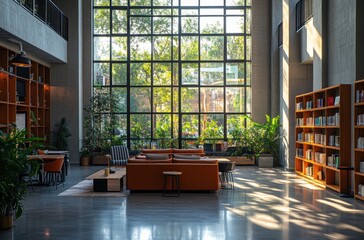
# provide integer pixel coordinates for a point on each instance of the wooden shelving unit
(323, 137)
(24, 91)
(359, 140)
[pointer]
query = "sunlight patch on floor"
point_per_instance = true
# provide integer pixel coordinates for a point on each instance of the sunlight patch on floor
(265, 221)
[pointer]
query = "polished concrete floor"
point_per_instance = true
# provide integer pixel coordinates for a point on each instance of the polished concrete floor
(266, 204)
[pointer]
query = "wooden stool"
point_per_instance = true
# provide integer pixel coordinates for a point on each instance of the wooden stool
(175, 178)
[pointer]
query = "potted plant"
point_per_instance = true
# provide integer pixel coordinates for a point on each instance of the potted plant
(61, 135)
(15, 147)
(100, 125)
(263, 139)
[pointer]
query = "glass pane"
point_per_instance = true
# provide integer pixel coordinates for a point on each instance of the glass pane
(189, 48)
(119, 21)
(235, 47)
(140, 99)
(190, 126)
(138, 145)
(162, 25)
(140, 126)
(248, 99)
(248, 20)
(119, 2)
(162, 99)
(140, 74)
(235, 2)
(248, 48)
(212, 73)
(175, 99)
(211, 2)
(175, 74)
(235, 126)
(162, 74)
(189, 12)
(101, 21)
(139, 2)
(119, 48)
(189, 2)
(189, 99)
(248, 73)
(175, 48)
(101, 2)
(189, 73)
(119, 73)
(162, 11)
(234, 24)
(189, 24)
(101, 48)
(140, 25)
(162, 48)
(235, 99)
(212, 127)
(211, 11)
(248, 2)
(212, 48)
(235, 12)
(120, 95)
(101, 74)
(162, 130)
(211, 25)
(212, 99)
(175, 129)
(175, 25)
(140, 11)
(120, 132)
(162, 2)
(235, 73)
(140, 48)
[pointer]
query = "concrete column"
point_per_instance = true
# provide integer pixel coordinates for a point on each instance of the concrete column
(261, 44)
(296, 79)
(66, 79)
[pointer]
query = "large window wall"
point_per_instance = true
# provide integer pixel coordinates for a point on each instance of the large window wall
(177, 68)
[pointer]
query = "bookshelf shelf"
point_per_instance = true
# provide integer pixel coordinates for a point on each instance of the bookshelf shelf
(322, 144)
(21, 93)
(359, 140)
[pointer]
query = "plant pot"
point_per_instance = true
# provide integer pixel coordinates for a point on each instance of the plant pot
(6, 222)
(265, 160)
(100, 159)
(208, 147)
(84, 161)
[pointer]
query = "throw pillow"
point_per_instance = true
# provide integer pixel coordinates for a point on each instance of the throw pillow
(157, 156)
(185, 156)
(140, 157)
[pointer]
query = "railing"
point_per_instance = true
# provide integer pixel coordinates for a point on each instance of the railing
(303, 13)
(280, 35)
(48, 13)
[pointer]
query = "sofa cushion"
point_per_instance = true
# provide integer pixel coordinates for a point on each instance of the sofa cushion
(189, 151)
(186, 156)
(169, 160)
(156, 151)
(194, 161)
(160, 156)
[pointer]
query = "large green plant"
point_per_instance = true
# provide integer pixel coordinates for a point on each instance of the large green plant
(99, 121)
(212, 132)
(265, 137)
(61, 134)
(15, 147)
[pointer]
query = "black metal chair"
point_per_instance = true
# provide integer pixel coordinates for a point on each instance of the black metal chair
(226, 173)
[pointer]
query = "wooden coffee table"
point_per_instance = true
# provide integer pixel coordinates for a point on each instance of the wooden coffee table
(112, 183)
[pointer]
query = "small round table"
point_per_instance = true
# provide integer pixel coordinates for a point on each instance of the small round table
(175, 177)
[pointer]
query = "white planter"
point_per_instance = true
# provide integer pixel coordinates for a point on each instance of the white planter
(265, 160)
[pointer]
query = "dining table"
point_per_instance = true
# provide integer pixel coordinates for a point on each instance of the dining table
(48, 158)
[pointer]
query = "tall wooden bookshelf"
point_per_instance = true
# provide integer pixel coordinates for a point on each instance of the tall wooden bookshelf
(24, 92)
(359, 140)
(323, 137)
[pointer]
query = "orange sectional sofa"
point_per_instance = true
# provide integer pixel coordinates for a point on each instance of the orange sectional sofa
(197, 175)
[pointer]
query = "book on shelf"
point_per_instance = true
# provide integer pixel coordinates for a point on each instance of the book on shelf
(361, 166)
(330, 101)
(337, 100)
(319, 102)
(359, 96)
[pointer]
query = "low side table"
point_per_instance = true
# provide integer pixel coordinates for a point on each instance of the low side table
(114, 182)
